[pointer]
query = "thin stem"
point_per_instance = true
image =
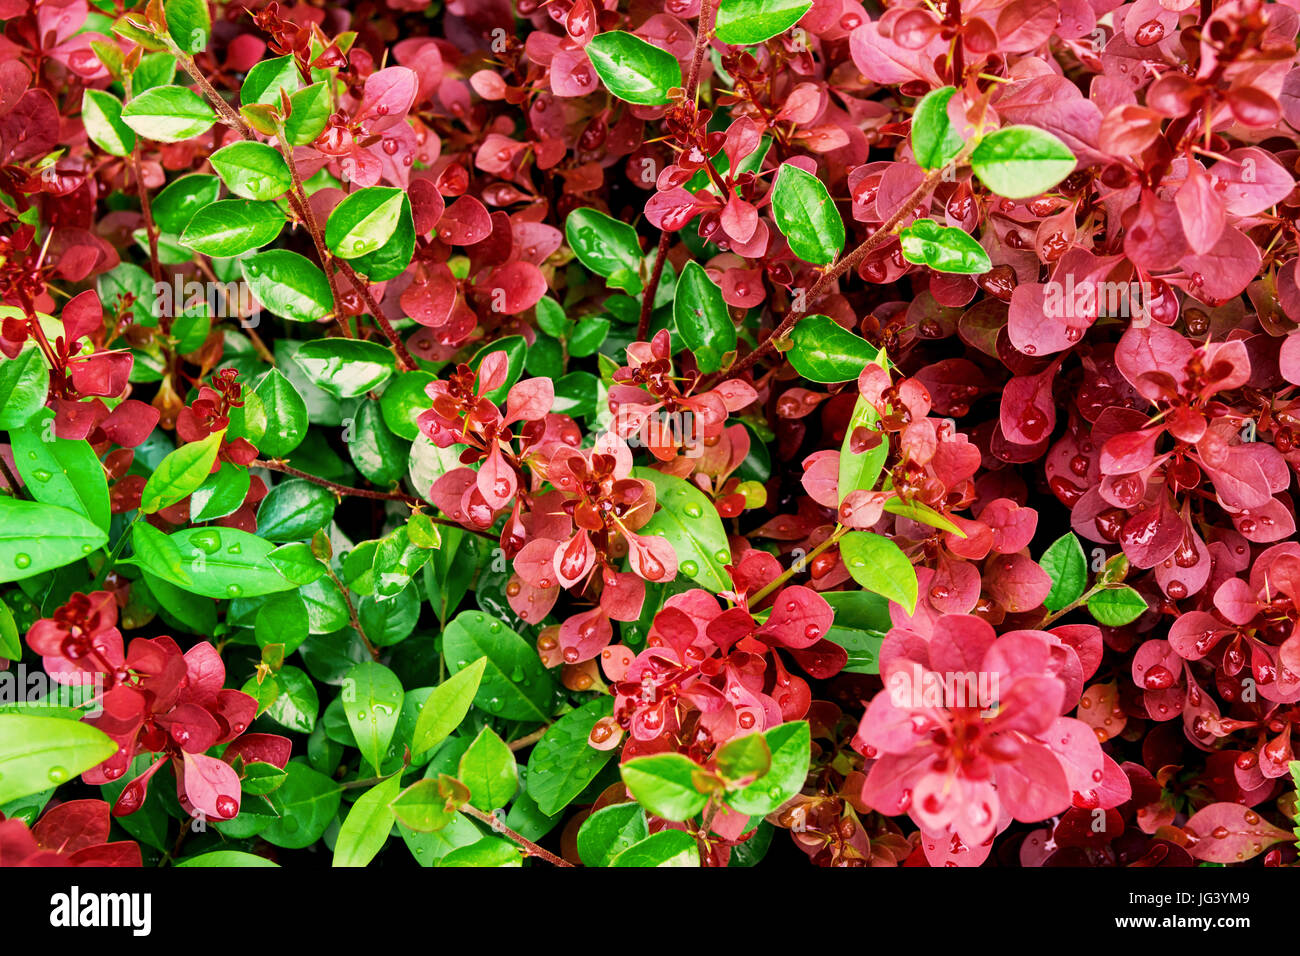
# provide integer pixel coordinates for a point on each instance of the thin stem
(527, 845)
(797, 567)
(11, 479)
(704, 31)
(340, 490)
(530, 739)
(352, 612)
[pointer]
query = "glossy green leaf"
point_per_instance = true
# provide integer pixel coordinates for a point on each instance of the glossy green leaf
(286, 415)
(307, 803)
(446, 707)
(345, 367)
(252, 170)
(24, 384)
(294, 509)
(879, 565)
(1116, 607)
(168, 114)
(391, 259)
(665, 848)
(744, 758)
(231, 227)
(790, 746)
(515, 685)
(265, 81)
(37, 753)
(366, 828)
(488, 768)
(632, 69)
(689, 521)
(609, 831)
(297, 704)
(746, 22)
(702, 319)
(189, 23)
(179, 200)
(1067, 566)
(181, 473)
(403, 400)
(861, 622)
(288, 285)
(61, 471)
(214, 562)
(1021, 161)
(943, 248)
(607, 247)
(364, 221)
(372, 699)
(825, 351)
(563, 762)
(807, 216)
(310, 110)
(225, 859)
(665, 785)
(934, 141)
(101, 112)
(36, 537)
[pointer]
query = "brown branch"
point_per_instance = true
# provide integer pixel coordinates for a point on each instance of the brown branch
(708, 16)
(340, 490)
(528, 846)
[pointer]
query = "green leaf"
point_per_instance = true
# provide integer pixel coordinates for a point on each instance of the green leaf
(11, 647)
(934, 141)
(294, 509)
(746, 22)
(378, 454)
(297, 705)
(175, 206)
(791, 747)
(665, 785)
(859, 471)
(345, 367)
(563, 762)
(220, 494)
(632, 69)
(943, 248)
(101, 113)
(1116, 607)
(286, 415)
(879, 565)
(265, 81)
(488, 768)
(588, 335)
(391, 259)
(282, 619)
(423, 806)
(515, 685)
(861, 622)
(310, 111)
(607, 247)
(744, 758)
(24, 383)
(609, 831)
(366, 828)
(1021, 161)
(252, 170)
(806, 216)
(36, 537)
(1067, 566)
(825, 351)
(701, 317)
(189, 23)
(689, 521)
(61, 471)
(372, 699)
(181, 473)
(403, 401)
(214, 562)
(487, 852)
(168, 114)
(364, 221)
(37, 753)
(665, 848)
(155, 69)
(231, 227)
(919, 511)
(289, 285)
(446, 707)
(307, 803)
(224, 859)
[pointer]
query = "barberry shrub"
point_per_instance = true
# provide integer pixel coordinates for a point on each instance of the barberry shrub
(637, 434)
